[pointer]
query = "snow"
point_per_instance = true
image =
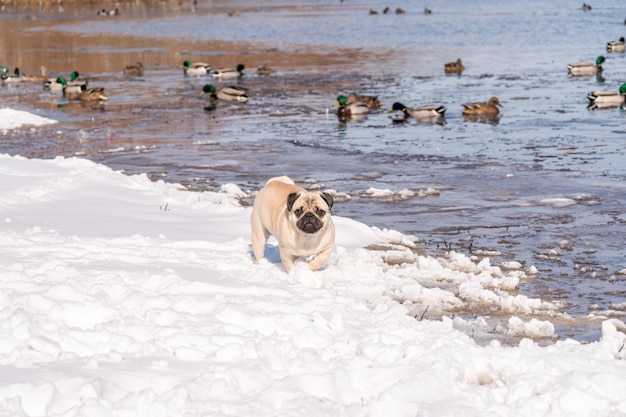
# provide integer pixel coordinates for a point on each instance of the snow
(127, 297)
(401, 194)
(558, 202)
(12, 119)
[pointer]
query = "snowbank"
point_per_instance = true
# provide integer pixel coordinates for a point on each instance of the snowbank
(12, 119)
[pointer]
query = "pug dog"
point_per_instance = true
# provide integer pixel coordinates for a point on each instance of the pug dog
(299, 220)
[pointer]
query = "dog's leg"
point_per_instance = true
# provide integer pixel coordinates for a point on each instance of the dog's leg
(321, 259)
(259, 238)
(288, 260)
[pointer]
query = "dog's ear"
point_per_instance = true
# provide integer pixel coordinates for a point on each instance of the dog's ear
(291, 199)
(328, 199)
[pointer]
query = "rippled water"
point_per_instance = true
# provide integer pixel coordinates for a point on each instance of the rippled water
(543, 186)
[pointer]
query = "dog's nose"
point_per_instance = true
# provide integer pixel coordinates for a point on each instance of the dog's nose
(308, 216)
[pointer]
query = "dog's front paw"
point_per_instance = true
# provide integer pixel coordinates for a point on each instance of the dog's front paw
(317, 263)
(261, 261)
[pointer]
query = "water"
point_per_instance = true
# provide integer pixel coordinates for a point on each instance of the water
(544, 185)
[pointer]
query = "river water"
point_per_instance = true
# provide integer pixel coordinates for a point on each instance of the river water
(543, 185)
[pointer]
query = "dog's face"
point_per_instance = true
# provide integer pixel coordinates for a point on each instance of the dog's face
(309, 210)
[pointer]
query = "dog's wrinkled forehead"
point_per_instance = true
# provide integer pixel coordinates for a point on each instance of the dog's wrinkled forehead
(310, 201)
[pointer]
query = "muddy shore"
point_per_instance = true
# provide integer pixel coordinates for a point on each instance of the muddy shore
(30, 23)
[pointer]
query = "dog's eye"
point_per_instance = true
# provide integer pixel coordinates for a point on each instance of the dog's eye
(320, 212)
(298, 212)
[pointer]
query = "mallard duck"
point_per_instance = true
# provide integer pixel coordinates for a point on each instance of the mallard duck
(616, 46)
(72, 88)
(386, 10)
(108, 13)
(456, 67)
(197, 68)
(422, 112)
(53, 84)
(134, 70)
(489, 108)
(372, 102)
(372, 11)
(400, 10)
(427, 11)
(226, 73)
(264, 69)
(12, 78)
(606, 99)
(349, 109)
(586, 68)
(230, 93)
(42, 77)
(586, 7)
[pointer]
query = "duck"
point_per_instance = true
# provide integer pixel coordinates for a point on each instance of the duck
(135, 70)
(264, 69)
(42, 77)
(616, 46)
(12, 78)
(586, 68)
(197, 68)
(586, 7)
(427, 11)
(349, 109)
(454, 67)
(226, 73)
(422, 112)
(53, 84)
(107, 13)
(400, 10)
(489, 108)
(372, 102)
(606, 99)
(72, 89)
(3, 70)
(372, 11)
(229, 93)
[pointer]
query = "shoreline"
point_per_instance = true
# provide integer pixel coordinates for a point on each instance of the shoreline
(49, 5)
(33, 38)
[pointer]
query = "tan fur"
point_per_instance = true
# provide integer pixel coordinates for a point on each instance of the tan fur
(270, 216)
